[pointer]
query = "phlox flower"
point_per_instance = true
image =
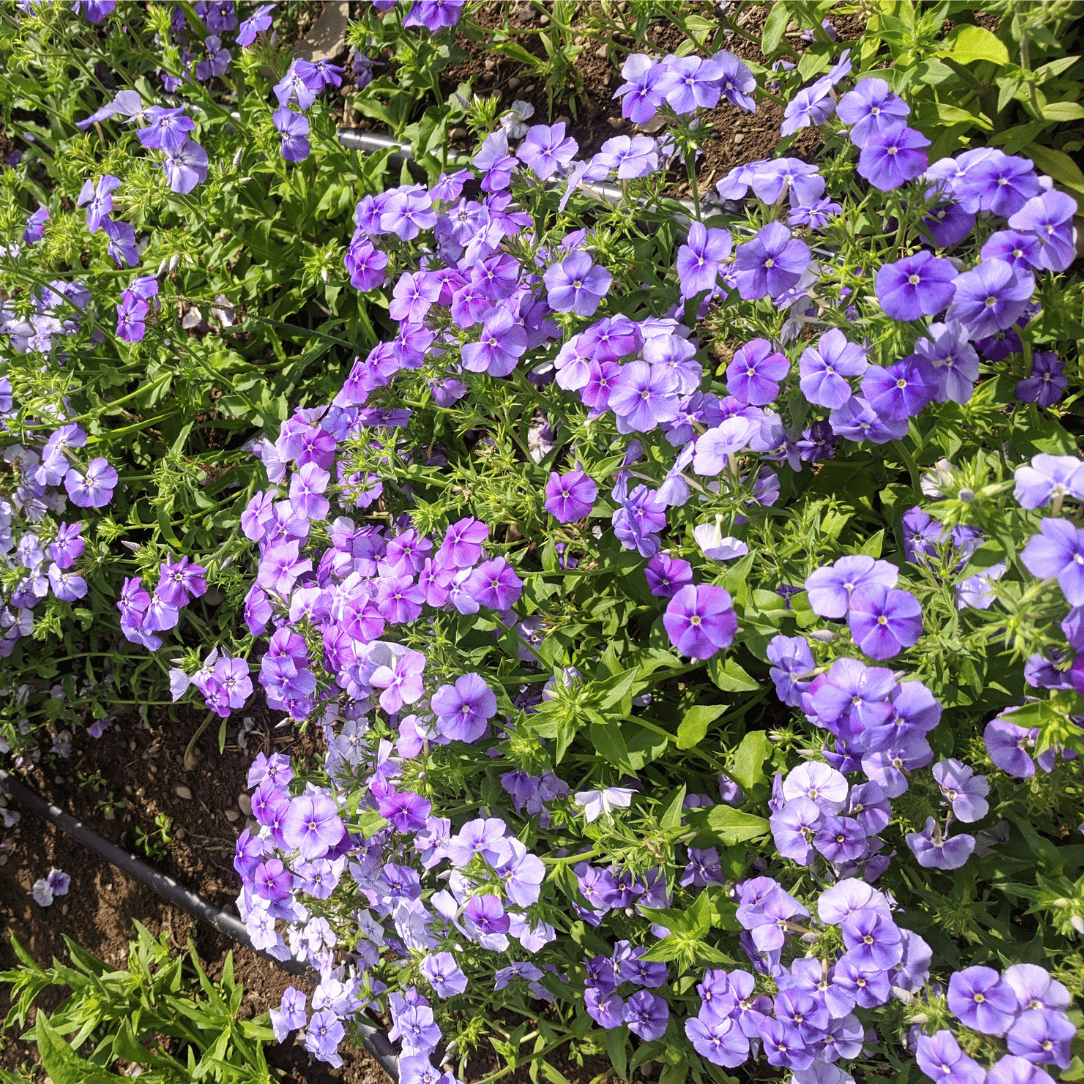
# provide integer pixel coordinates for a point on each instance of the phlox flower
(312, 826)
(1058, 552)
(502, 343)
(1049, 217)
(294, 129)
(893, 156)
(401, 683)
(571, 496)
(941, 1059)
(822, 369)
(464, 709)
(700, 620)
(870, 108)
(546, 149)
(94, 489)
(884, 621)
(753, 375)
(1047, 478)
(185, 166)
(1047, 380)
(643, 396)
(830, 588)
(920, 285)
(597, 803)
(902, 390)
(935, 850)
(981, 1000)
(771, 263)
(963, 790)
(576, 284)
(700, 259)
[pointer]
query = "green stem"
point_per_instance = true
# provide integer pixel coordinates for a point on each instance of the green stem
(911, 465)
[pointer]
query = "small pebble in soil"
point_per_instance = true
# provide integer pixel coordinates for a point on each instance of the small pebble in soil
(180, 833)
(457, 134)
(244, 803)
(232, 815)
(602, 52)
(191, 760)
(182, 792)
(515, 83)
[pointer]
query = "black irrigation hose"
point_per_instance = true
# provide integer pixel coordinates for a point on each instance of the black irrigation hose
(375, 1040)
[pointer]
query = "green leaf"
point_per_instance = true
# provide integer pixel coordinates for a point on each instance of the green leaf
(694, 724)
(774, 28)
(730, 677)
(729, 826)
(970, 44)
(872, 545)
(1063, 111)
(63, 1064)
(749, 759)
(671, 818)
(618, 1048)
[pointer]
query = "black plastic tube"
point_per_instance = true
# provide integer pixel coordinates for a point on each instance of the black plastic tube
(375, 1040)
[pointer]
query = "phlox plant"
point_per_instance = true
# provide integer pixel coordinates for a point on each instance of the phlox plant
(688, 615)
(604, 491)
(168, 273)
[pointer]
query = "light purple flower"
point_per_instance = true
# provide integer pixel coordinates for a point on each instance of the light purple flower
(1058, 551)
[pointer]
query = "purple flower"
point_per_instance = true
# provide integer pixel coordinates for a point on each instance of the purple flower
(1050, 218)
(1042, 1037)
(999, 183)
(168, 129)
(941, 1059)
(98, 198)
(502, 343)
(546, 149)
(794, 827)
(1047, 380)
(294, 129)
(434, 15)
(576, 285)
(700, 259)
(811, 106)
(645, 88)
(402, 683)
(980, 1000)
(870, 108)
(935, 850)
(290, 1015)
(873, 940)
(312, 826)
(256, 23)
(771, 263)
(443, 974)
(884, 622)
(93, 489)
(991, 298)
(753, 375)
(463, 710)
(892, 156)
(68, 547)
(1007, 745)
(736, 81)
(1012, 1069)
(494, 584)
(822, 369)
(902, 390)
(963, 790)
(920, 285)
(700, 620)
(667, 575)
(646, 1015)
(830, 588)
(185, 166)
(570, 496)
(1058, 551)
(122, 242)
(643, 396)
(719, 1040)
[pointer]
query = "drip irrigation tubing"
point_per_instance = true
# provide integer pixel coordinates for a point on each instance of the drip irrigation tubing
(374, 1038)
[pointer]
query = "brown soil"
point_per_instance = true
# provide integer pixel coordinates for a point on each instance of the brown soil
(142, 766)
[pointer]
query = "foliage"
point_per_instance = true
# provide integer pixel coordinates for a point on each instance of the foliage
(163, 1014)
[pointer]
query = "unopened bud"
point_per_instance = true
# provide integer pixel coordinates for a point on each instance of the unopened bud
(237, 157)
(966, 495)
